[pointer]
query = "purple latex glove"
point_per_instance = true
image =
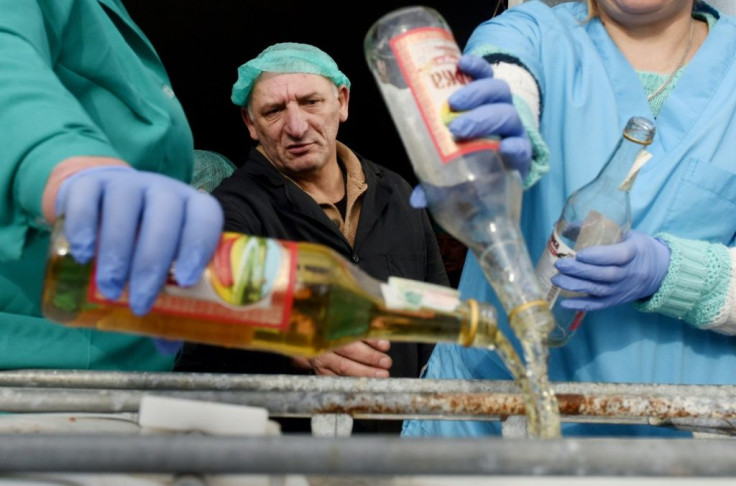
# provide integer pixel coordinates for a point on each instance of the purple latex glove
(488, 111)
(166, 346)
(139, 223)
(614, 274)
(418, 198)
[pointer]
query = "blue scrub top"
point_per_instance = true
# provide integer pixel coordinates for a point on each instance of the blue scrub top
(688, 189)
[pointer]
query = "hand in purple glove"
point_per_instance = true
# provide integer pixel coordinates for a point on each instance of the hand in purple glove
(614, 274)
(138, 223)
(488, 111)
(167, 347)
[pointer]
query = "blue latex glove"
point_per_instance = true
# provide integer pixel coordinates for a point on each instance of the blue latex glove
(487, 111)
(418, 198)
(614, 274)
(140, 223)
(166, 346)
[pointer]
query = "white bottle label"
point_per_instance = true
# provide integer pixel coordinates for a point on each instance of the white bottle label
(545, 270)
(412, 295)
(642, 158)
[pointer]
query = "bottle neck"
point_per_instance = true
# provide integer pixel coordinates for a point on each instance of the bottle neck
(482, 328)
(470, 324)
(621, 161)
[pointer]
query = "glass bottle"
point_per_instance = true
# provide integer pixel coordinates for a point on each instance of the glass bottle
(599, 213)
(299, 299)
(413, 57)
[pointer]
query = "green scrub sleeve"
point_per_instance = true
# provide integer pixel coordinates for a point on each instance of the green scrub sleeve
(42, 124)
(696, 286)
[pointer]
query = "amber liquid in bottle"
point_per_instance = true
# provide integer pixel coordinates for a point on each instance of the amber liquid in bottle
(299, 299)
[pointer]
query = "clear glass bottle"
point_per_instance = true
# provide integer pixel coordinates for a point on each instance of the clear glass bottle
(413, 56)
(299, 299)
(599, 213)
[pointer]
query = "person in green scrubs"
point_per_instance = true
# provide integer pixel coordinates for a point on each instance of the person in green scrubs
(91, 130)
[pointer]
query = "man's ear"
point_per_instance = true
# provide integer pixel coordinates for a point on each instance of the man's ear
(343, 97)
(248, 123)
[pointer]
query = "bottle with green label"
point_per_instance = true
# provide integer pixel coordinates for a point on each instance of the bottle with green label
(299, 299)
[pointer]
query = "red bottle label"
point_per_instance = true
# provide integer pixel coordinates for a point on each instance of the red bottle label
(250, 281)
(428, 58)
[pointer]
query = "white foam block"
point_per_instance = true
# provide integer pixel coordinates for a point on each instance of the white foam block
(159, 413)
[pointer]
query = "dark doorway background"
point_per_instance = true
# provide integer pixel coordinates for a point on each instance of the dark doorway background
(202, 43)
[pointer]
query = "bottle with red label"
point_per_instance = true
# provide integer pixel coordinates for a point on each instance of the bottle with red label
(299, 299)
(413, 56)
(599, 213)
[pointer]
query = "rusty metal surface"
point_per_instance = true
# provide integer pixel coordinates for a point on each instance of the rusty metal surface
(332, 402)
(689, 406)
(215, 381)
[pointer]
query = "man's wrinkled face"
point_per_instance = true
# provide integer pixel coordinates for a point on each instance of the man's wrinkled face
(295, 117)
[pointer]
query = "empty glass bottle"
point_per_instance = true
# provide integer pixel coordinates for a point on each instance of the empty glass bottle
(413, 56)
(299, 299)
(599, 213)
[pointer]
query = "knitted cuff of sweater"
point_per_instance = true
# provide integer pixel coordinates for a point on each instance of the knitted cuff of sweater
(540, 152)
(696, 284)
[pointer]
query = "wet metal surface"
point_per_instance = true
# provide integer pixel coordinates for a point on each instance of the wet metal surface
(711, 408)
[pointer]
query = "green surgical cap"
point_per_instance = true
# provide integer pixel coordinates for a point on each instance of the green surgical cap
(287, 57)
(209, 169)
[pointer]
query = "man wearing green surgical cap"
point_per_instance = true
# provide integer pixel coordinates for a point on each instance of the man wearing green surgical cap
(300, 183)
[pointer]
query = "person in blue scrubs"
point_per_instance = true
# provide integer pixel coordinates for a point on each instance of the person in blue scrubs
(91, 130)
(661, 303)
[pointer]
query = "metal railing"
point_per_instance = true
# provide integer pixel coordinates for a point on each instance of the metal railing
(334, 402)
(697, 407)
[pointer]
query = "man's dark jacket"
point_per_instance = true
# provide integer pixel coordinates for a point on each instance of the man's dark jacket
(392, 239)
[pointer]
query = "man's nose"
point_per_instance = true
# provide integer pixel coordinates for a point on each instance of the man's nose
(296, 121)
